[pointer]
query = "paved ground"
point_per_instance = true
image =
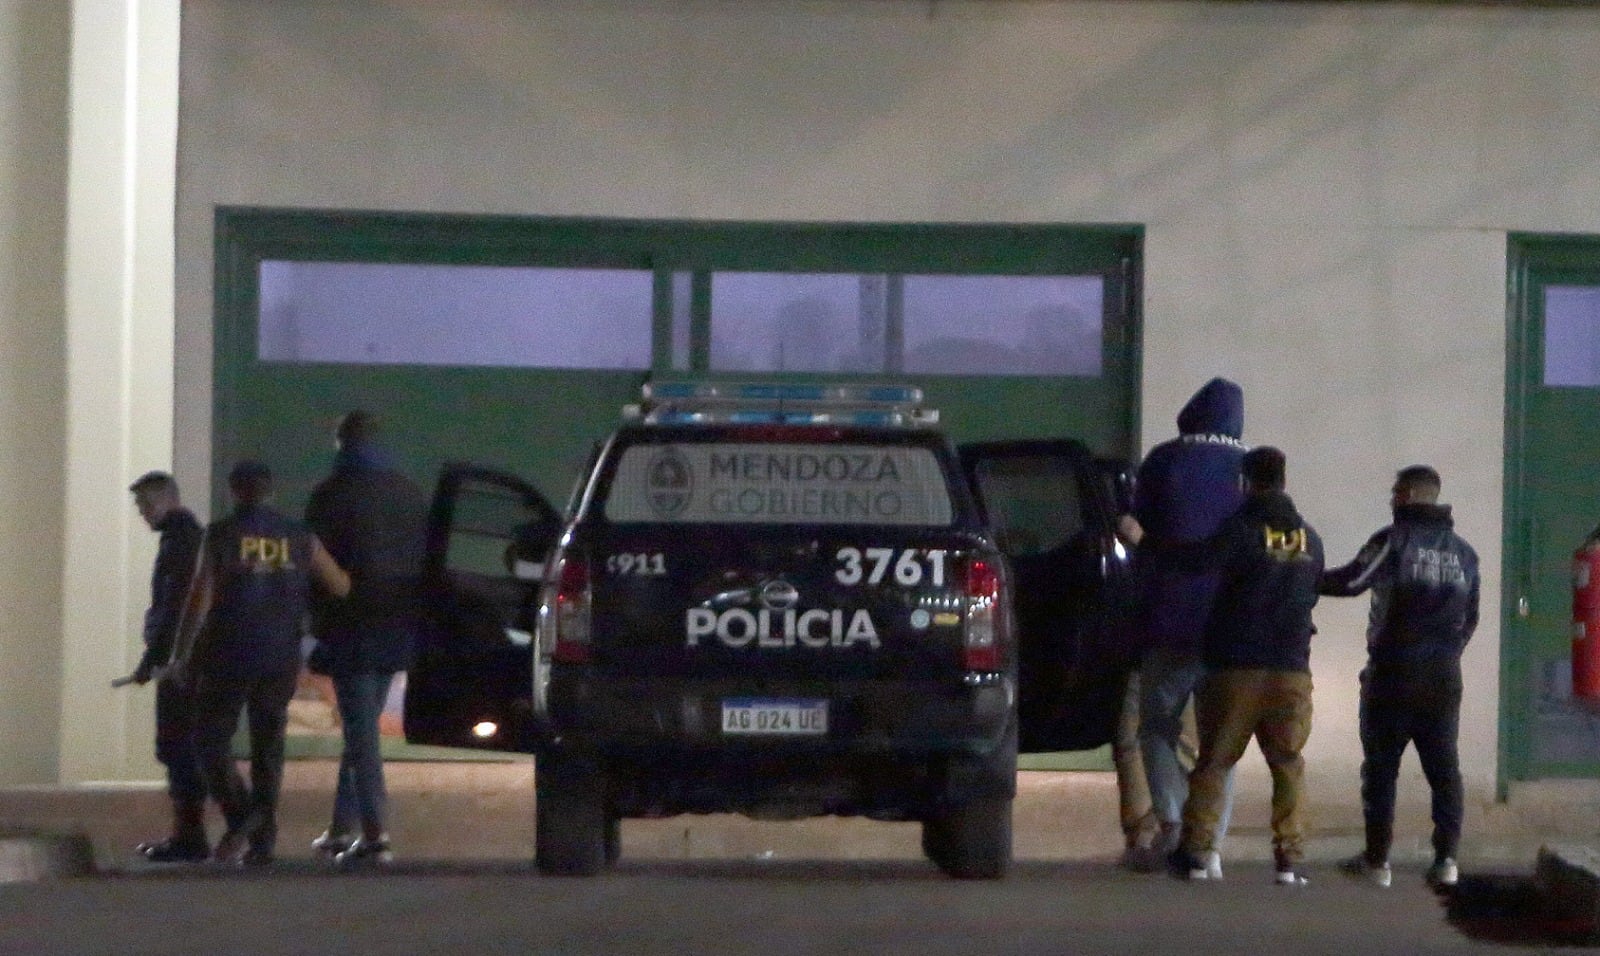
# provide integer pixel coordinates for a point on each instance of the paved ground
(725, 884)
(742, 906)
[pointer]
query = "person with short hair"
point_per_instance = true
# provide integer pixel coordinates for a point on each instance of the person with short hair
(374, 521)
(1424, 582)
(240, 640)
(156, 495)
(1257, 654)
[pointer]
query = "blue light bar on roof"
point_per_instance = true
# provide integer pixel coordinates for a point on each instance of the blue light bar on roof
(781, 392)
(689, 402)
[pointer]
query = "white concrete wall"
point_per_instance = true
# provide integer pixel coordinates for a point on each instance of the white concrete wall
(33, 153)
(1325, 188)
(88, 110)
(119, 342)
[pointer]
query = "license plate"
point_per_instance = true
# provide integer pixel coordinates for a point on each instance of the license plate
(765, 715)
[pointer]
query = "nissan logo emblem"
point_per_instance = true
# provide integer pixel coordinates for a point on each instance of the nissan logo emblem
(779, 595)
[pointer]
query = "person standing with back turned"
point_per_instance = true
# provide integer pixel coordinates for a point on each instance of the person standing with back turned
(373, 520)
(156, 496)
(1186, 487)
(1258, 667)
(1424, 582)
(240, 639)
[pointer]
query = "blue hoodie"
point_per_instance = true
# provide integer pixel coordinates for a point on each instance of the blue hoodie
(1186, 488)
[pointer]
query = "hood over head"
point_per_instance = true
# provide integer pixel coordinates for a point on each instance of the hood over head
(1216, 409)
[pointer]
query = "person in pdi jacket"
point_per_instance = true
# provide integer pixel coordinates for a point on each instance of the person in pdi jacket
(373, 520)
(1257, 654)
(1186, 487)
(240, 641)
(1424, 582)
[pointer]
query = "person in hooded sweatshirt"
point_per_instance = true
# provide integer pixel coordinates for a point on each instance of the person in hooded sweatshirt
(373, 520)
(1257, 655)
(1185, 488)
(1424, 582)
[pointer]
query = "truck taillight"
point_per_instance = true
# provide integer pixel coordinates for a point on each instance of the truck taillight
(573, 598)
(980, 645)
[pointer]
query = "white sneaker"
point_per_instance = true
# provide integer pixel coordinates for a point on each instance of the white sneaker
(1444, 873)
(1208, 866)
(1290, 878)
(1377, 874)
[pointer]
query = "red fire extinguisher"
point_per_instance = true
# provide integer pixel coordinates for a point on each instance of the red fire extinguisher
(1586, 619)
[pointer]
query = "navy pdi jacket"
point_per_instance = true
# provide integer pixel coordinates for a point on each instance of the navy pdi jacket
(1269, 562)
(1186, 488)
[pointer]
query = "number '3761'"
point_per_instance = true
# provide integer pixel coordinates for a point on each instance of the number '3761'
(908, 565)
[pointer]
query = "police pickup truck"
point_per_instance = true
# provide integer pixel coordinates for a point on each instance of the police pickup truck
(782, 601)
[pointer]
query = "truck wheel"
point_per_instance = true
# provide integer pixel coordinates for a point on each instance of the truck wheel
(932, 847)
(613, 840)
(973, 839)
(570, 819)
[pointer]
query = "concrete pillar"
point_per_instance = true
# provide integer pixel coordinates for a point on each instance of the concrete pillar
(119, 367)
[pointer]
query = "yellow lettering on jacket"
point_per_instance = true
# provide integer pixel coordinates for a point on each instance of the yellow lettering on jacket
(265, 554)
(1285, 545)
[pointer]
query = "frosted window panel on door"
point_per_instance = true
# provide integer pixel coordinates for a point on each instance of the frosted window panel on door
(409, 314)
(793, 322)
(1572, 335)
(1004, 325)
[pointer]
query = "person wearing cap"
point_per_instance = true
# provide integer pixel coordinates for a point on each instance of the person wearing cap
(156, 496)
(1257, 655)
(240, 643)
(373, 520)
(1424, 582)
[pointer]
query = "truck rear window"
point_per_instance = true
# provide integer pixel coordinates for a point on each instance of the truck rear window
(769, 483)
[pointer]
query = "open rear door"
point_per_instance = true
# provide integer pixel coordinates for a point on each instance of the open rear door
(472, 684)
(1052, 509)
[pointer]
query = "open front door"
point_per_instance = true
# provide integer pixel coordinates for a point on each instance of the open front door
(472, 684)
(1052, 507)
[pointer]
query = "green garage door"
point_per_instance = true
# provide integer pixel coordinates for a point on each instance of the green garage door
(514, 342)
(1552, 502)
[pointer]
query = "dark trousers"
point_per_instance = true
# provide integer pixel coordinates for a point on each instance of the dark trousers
(1417, 703)
(265, 700)
(175, 743)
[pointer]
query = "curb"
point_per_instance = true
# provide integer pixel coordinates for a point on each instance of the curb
(1568, 879)
(27, 856)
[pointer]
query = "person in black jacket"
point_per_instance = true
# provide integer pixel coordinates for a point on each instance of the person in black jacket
(240, 639)
(1424, 582)
(373, 520)
(1257, 655)
(156, 496)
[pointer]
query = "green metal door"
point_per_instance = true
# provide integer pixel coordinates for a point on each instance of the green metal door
(1552, 502)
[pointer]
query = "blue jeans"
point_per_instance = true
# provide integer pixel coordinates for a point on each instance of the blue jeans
(1167, 681)
(361, 798)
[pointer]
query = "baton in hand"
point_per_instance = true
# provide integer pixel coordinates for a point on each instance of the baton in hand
(125, 680)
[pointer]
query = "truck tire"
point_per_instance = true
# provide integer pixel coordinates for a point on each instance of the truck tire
(570, 815)
(613, 840)
(971, 841)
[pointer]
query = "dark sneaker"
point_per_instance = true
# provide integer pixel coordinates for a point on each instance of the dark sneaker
(238, 840)
(1195, 866)
(174, 850)
(366, 851)
(1286, 874)
(1360, 868)
(331, 843)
